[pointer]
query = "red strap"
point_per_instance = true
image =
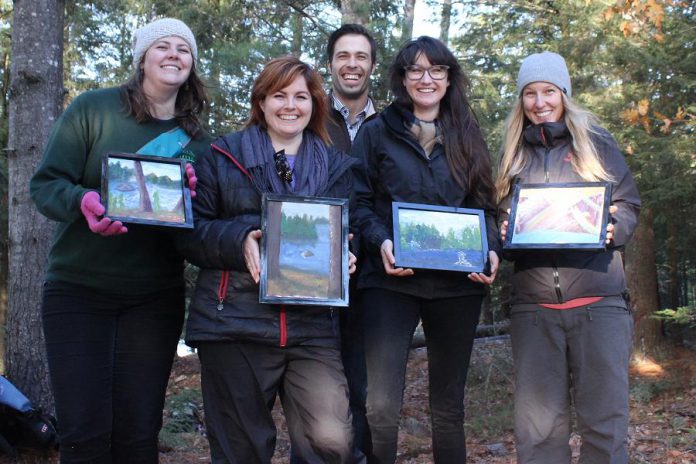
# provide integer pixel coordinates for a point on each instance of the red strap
(234, 160)
(283, 327)
(222, 288)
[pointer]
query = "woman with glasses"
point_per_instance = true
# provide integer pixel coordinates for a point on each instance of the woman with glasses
(252, 352)
(426, 147)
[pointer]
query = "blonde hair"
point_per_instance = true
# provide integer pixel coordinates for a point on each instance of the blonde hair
(584, 158)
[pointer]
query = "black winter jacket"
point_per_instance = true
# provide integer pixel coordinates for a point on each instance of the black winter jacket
(393, 167)
(226, 208)
(559, 276)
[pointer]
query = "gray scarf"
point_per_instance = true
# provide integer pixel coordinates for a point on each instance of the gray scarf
(311, 171)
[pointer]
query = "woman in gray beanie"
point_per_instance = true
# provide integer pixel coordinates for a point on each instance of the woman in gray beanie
(571, 323)
(113, 301)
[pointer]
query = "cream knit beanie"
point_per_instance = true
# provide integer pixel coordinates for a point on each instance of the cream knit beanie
(544, 67)
(144, 37)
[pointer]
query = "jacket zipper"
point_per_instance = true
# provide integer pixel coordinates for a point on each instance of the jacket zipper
(554, 268)
(222, 289)
(283, 327)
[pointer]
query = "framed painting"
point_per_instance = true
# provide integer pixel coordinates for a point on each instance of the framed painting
(439, 237)
(151, 190)
(559, 216)
(304, 250)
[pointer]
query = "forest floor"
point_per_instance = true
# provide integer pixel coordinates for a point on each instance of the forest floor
(662, 429)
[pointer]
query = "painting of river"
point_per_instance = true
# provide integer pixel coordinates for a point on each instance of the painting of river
(145, 190)
(306, 257)
(445, 240)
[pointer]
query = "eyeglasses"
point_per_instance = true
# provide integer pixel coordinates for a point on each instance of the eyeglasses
(415, 72)
(282, 166)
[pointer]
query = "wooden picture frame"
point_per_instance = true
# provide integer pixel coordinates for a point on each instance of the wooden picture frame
(149, 190)
(304, 250)
(552, 216)
(439, 237)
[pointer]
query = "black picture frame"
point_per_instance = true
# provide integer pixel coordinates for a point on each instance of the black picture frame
(443, 238)
(304, 250)
(149, 190)
(553, 216)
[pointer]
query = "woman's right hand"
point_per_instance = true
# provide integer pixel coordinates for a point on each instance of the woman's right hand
(92, 209)
(387, 251)
(252, 254)
(503, 227)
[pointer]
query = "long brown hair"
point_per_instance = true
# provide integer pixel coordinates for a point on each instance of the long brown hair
(191, 101)
(280, 73)
(465, 149)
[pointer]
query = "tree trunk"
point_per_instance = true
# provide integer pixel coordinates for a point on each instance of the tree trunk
(641, 275)
(355, 12)
(673, 260)
(145, 203)
(297, 31)
(36, 100)
(407, 28)
(445, 21)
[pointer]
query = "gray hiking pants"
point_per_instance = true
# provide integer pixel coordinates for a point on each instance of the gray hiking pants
(583, 352)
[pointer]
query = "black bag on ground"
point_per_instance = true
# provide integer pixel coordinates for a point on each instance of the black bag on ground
(21, 425)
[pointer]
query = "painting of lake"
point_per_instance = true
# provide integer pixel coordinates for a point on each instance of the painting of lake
(306, 258)
(439, 240)
(145, 190)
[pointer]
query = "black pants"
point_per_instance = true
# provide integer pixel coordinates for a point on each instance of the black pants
(109, 357)
(449, 325)
(240, 383)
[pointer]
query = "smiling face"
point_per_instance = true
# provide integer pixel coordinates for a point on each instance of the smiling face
(351, 66)
(166, 64)
(542, 102)
(287, 112)
(426, 92)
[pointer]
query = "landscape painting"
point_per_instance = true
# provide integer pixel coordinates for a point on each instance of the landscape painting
(559, 216)
(304, 251)
(146, 190)
(435, 237)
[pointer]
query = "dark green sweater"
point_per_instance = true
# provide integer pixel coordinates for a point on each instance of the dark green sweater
(138, 262)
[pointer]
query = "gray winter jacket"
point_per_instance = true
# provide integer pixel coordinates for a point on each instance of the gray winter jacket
(560, 276)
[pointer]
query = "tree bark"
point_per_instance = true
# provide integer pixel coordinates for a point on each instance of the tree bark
(641, 276)
(355, 12)
(36, 100)
(445, 21)
(407, 27)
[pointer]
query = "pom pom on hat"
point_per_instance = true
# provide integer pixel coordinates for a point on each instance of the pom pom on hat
(544, 67)
(144, 37)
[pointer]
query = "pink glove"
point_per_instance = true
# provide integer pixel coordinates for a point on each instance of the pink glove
(92, 208)
(192, 179)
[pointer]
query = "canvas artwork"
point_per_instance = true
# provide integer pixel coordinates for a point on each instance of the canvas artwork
(435, 237)
(304, 250)
(559, 215)
(146, 190)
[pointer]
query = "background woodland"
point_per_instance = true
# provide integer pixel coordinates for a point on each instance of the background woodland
(633, 62)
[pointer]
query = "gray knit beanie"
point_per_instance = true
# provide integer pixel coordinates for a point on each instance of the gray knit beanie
(144, 37)
(544, 67)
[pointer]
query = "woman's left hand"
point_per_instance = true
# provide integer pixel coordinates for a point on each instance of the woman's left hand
(482, 278)
(352, 260)
(610, 226)
(192, 179)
